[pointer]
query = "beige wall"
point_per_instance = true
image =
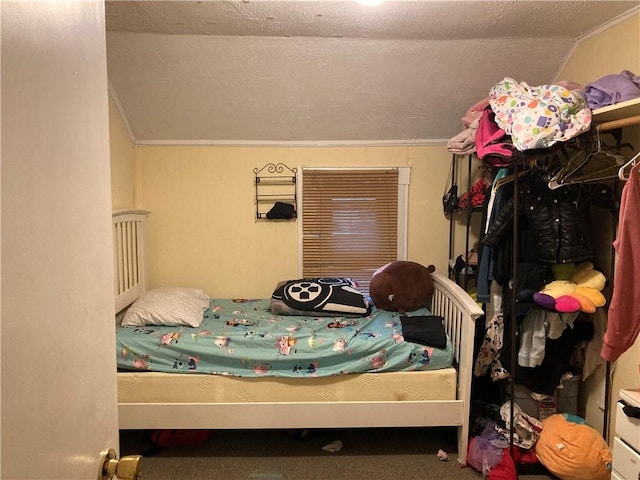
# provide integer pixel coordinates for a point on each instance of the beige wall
(123, 155)
(203, 232)
(611, 51)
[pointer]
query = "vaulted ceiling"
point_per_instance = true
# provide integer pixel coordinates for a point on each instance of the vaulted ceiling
(329, 71)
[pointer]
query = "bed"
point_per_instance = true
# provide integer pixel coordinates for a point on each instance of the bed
(181, 398)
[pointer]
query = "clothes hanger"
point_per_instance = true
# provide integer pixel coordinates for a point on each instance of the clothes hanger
(607, 172)
(510, 178)
(599, 163)
(623, 173)
(572, 162)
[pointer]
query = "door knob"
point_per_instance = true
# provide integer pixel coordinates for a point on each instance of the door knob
(127, 468)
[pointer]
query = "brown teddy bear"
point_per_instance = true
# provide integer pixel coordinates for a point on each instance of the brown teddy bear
(402, 286)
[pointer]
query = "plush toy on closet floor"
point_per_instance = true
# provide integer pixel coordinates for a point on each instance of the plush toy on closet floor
(576, 288)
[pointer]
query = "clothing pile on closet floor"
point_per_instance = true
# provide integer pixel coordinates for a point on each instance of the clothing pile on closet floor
(565, 444)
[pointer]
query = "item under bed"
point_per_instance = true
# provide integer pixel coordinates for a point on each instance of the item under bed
(241, 337)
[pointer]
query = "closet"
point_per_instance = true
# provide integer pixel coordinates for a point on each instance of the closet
(609, 122)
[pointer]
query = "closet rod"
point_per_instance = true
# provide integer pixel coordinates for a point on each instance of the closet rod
(623, 122)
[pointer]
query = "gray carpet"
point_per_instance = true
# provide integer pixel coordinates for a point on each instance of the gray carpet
(366, 454)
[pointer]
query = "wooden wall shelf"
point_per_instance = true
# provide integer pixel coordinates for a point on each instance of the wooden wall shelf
(623, 114)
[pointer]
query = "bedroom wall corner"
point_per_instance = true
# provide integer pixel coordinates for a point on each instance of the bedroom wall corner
(610, 51)
(122, 155)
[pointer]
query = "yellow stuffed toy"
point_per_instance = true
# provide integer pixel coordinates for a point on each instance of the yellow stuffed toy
(576, 288)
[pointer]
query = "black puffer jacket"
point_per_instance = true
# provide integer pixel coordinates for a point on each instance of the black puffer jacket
(560, 218)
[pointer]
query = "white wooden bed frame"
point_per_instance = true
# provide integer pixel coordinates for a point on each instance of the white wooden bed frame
(157, 407)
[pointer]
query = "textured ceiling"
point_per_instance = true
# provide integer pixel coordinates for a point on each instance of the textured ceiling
(329, 72)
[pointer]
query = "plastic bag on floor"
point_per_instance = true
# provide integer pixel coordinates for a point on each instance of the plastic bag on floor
(526, 428)
(483, 455)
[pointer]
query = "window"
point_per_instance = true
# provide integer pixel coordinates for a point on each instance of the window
(352, 221)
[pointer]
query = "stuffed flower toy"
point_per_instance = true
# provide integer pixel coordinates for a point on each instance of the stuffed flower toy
(576, 288)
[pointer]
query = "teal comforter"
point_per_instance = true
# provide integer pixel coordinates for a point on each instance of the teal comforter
(243, 338)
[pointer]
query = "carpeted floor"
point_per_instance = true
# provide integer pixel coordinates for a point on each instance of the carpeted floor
(366, 454)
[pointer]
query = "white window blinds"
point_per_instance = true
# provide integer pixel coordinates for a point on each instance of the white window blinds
(349, 222)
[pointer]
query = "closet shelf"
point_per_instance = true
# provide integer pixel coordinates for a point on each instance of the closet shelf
(617, 111)
(623, 114)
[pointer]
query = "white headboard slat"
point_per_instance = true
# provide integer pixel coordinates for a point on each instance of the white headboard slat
(129, 273)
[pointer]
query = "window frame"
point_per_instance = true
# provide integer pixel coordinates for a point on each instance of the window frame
(404, 177)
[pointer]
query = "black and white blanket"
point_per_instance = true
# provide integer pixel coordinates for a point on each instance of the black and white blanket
(319, 296)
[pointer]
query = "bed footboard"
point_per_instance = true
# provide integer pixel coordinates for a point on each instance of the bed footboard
(460, 313)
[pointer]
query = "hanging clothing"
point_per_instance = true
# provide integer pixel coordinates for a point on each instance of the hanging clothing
(486, 265)
(624, 310)
(592, 358)
(537, 325)
(491, 347)
(560, 218)
(546, 377)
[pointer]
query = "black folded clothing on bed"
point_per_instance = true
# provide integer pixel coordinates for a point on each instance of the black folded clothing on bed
(427, 330)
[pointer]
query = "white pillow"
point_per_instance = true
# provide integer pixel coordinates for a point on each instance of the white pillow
(167, 306)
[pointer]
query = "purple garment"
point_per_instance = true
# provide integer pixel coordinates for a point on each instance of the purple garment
(612, 89)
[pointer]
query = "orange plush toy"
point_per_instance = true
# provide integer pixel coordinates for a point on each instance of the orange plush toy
(573, 450)
(402, 286)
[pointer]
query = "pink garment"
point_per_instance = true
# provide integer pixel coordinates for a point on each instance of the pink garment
(493, 145)
(569, 85)
(465, 141)
(474, 112)
(624, 311)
